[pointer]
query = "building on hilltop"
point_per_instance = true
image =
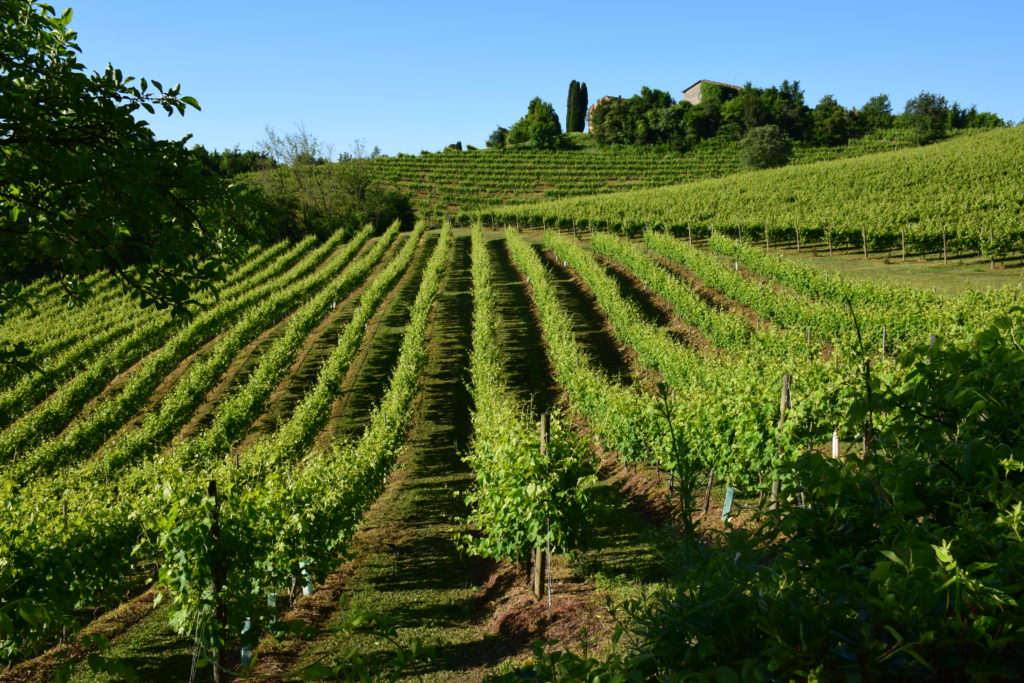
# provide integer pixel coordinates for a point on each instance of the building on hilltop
(693, 93)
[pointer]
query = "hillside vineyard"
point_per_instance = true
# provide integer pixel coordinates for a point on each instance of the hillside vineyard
(843, 452)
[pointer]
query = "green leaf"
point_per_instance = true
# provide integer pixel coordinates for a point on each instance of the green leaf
(191, 101)
(894, 558)
(31, 613)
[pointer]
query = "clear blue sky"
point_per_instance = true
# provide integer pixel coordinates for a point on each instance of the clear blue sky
(407, 76)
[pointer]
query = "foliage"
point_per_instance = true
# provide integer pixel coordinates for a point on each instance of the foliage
(498, 138)
(524, 497)
(84, 185)
(961, 117)
(832, 124)
(232, 162)
(576, 107)
(876, 114)
(322, 196)
(765, 147)
(539, 129)
(928, 116)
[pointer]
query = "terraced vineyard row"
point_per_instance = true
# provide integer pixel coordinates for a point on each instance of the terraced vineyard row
(223, 472)
(452, 184)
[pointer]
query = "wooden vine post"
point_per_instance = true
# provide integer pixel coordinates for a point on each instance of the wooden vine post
(217, 584)
(787, 382)
(707, 491)
(539, 555)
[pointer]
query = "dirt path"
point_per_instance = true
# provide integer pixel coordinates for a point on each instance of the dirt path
(406, 562)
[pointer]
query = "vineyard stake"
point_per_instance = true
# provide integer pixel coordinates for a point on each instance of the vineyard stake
(547, 563)
(245, 655)
(903, 242)
(943, 245)
(730, 493)
(707, 491)
(539, 558)
(835, 442)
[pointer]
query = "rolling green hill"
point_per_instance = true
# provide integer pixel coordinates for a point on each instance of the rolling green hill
(449, 182)
(960, 196)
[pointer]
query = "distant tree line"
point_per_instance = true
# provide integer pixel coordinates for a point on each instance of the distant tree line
(653, 118)
(232, 162)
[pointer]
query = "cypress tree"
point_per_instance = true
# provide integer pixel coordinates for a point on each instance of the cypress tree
(581, 107)
(571, 105)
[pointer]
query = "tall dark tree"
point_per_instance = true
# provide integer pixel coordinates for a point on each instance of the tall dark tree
(582, 102)
(570, 105)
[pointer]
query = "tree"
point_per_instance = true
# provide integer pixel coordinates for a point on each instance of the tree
(619, 121)
(540, 127)
(831, 123)
(765, 147)
(300, 148)
(570, 107)
(498, 138)
(582, 103)
(928, 116)
(876, 114)
(84, 185)
(576, 107)
(322, 196)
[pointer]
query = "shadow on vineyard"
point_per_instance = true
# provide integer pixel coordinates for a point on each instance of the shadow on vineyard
(407, 564)
(379, 359)
(529, 370)
(588, 322)
(316, 350)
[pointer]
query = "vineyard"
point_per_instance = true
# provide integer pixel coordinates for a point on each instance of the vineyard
(959, 197)
(637, 431)
(448, 183)
(221, 466)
